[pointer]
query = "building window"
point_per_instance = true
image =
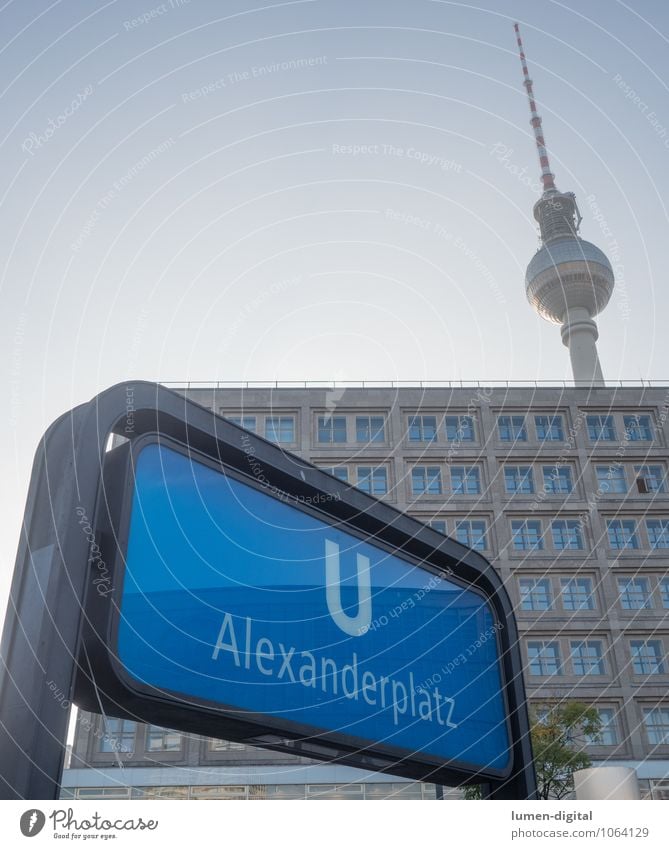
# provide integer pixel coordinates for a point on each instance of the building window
(557, 480)
(567, 534)
(586, 657)
(608, 731)
(171, 791)
(226, 746)
(650, 478)
(658, 532)
(622, 533)
(332, 429)
(611, 479)
(512, 428)
(535, 594)
(544, 658)
(422, 428)
(466, 480)
(577, 594)
(339, 472)
(518, 479)
(438, 525)
(118, 736)
(527, 535)
(664, 592)
(370, 429)
(162, 739)
(247, 422)
(373, 480)
(426, 480)
(549, 428)
(459, 428)
(601, 428)
(638, 428)
(656, 721)
(102, 793)
(280, 429)
(647, 657)
(634, 593)
(472, 532)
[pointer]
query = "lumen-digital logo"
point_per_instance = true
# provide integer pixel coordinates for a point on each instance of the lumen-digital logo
(32, 822)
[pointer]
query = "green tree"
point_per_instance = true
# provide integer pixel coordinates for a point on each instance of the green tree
(558, 741)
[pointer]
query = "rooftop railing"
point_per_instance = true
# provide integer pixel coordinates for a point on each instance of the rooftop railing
(407, 384)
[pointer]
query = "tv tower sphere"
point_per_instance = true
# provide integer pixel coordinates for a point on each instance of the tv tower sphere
(568, 280)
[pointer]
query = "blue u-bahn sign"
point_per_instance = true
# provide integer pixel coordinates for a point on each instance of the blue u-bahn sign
(236, 591)
(236, 598)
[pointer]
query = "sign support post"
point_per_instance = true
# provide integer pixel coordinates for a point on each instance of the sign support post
(39, 641)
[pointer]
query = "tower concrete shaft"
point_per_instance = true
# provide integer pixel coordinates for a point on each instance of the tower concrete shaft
(580, 334)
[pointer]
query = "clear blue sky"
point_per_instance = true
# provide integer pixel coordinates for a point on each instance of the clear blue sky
(181, 198)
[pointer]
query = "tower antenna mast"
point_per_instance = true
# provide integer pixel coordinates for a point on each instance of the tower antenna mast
(547, 176)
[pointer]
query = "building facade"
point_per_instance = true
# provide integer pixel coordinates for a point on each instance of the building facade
(564, 489)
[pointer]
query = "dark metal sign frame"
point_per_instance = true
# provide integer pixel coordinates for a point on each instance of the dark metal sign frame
(75, 476)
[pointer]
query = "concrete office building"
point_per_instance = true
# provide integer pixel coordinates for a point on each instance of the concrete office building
(563, 488)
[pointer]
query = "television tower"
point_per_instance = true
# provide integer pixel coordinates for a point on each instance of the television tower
(568, 280)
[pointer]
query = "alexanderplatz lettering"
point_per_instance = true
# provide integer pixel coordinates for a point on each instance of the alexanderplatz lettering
(284, 609)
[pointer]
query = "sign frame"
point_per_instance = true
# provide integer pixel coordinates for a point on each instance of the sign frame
(146, 411)
(224, 721)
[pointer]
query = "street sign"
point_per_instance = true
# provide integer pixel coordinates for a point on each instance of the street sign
(236, 591)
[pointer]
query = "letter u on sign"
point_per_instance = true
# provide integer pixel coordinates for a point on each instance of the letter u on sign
(356, 625)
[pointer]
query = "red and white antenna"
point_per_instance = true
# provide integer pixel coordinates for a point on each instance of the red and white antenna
(535, 121)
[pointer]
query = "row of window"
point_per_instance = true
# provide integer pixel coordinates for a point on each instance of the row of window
(463, 480)
(655, 723)
(432, 481)
(622, 534)
(634, 593)
(368, 790)
(611, 479)
(586, 658)
(544, 657)
(558, 534)
(118, 735)
(370, 429)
